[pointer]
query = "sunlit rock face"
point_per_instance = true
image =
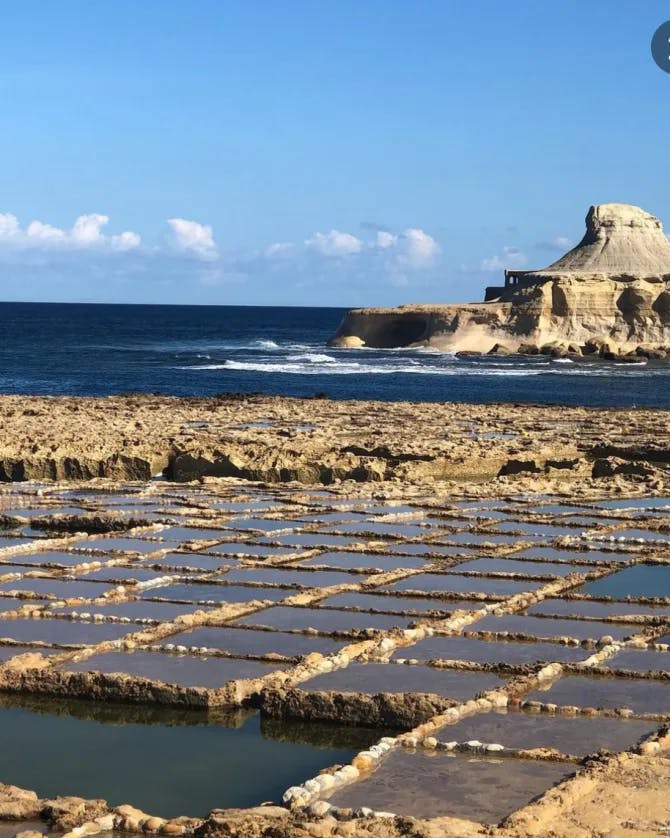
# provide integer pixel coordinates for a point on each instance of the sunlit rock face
(610, 293)
(620, 239)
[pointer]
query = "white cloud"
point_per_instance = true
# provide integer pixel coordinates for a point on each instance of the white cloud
(385, 239)
(45, 233)
(194, 238)
(279, 249)
(417, 248)
(9, 226)
(335, 243)
(87, 229)
(86, 232)
(509, 257)
(126, 241)
(559, 243)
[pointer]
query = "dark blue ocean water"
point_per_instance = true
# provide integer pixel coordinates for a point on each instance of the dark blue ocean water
(196, 350)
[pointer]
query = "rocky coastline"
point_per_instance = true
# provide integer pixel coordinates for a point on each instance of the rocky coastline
(609, 297)
(323, 441)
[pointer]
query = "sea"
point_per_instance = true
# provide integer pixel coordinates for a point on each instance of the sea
(97, 350)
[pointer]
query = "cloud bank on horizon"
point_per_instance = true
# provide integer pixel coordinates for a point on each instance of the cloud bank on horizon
(86, 232)
(188, 252)
(188, 258)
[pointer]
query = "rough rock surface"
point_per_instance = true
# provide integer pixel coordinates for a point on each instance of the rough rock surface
(401, 710)
(66, 813)
(274, 822)
(623, 798)
(18, 804)
(323, 441)
(609, 294)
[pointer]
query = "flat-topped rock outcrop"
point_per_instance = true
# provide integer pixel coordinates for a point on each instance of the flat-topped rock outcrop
(609, 294)
(326, 441)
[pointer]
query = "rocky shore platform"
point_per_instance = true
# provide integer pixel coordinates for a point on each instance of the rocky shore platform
(459, 614)
(324, 441)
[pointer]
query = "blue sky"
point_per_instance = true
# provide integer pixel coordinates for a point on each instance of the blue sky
(339, 152)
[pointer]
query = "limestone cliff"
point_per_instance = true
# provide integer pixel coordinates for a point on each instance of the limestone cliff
(612, 291)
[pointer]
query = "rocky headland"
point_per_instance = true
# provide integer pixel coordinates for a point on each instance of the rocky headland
(609, 295)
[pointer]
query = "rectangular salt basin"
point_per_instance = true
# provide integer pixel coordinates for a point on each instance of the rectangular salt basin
(244, 506)
(191, 562)
(195, 592)
(237, 548)
(440, 647)
(486, 538)
(62, 632)
(416, 548)
(395, 529)
(549, 627)
(158, 612)
(120, 575)
(184, 670)
(376, 678)
(635, 503)
(32, 512)
(637, 581)
(391, 509)
(240, 641)
(593, 608)
(586, 522)
(397, 604)
(560, 509)
(570, 735)
(639, 660)
(53, 558)
(534, 528)
(641, 696)
(342, 517)
(521, 567)
(308, 539)
(197, 763)
(324, 620)
(266, 525)
(57, 588)
(581, 556)
(444, 582)
(183, 534)
(425, 785)
(366, 561)
(291, 578)
(126, 545)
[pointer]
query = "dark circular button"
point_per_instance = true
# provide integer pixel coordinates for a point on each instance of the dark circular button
(660, 46)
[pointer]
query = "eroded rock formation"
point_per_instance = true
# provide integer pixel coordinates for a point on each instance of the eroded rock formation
(610, 294)
(325, 441)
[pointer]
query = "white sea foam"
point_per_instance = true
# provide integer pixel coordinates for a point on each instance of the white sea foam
(346, 363)
(202, 367)
(312, 358)
(353, 368)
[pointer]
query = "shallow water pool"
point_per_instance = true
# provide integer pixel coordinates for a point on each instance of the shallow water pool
(168, 763)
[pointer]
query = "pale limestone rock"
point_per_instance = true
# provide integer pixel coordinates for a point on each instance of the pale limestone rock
(608, 295)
